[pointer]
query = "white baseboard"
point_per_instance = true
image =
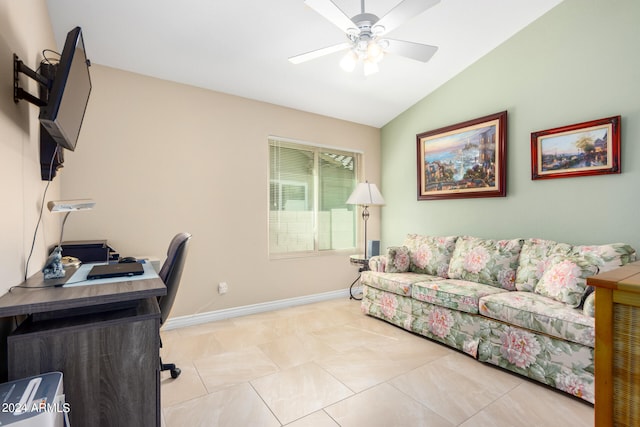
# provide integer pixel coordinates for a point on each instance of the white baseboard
(227, 313)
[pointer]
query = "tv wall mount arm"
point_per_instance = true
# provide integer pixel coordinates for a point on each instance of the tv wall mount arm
(18, 92)
(51, 158)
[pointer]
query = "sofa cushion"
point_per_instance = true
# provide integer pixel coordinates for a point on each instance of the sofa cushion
(490, 262)
(533, 258)
(540, 314)
(397, 283)
(397, 259)
(536, 254)
(430, 254)
(565, 279)
(607, 257)
(453, 293)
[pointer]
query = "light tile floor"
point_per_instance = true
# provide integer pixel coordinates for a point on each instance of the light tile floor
(327, 364)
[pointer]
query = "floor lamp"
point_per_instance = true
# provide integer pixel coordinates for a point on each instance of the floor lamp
(365, 195)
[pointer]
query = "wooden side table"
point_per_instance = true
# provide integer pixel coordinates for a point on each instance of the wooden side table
(617, 350)
(363, 265)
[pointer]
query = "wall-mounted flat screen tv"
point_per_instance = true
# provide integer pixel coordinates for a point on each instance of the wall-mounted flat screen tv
(69, 95)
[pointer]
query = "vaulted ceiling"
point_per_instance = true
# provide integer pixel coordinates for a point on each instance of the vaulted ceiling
(241, 47)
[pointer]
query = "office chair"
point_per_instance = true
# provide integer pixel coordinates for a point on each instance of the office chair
(170, 273)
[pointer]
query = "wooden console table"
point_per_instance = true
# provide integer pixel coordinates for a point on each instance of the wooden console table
(617, 351)
(105, 340)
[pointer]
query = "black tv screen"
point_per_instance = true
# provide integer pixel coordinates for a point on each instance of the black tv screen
(67, 101)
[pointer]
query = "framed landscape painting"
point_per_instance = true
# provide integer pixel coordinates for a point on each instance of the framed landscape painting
(464, 160)
(589, 148)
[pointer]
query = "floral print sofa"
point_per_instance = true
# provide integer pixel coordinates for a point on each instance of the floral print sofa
(519, 304)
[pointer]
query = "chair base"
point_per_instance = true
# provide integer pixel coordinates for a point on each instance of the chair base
(175, 371)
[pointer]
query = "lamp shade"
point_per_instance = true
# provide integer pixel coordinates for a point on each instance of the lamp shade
(70, 205)
(365, 194)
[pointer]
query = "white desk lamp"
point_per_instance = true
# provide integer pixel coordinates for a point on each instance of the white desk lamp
(53, 268)
(365, 195)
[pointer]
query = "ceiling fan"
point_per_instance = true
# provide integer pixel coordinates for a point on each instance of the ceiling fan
(365, 35)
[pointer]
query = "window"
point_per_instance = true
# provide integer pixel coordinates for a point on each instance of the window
(308, 188)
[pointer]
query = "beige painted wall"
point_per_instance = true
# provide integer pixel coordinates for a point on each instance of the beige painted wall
(25, 30)
(160, 157)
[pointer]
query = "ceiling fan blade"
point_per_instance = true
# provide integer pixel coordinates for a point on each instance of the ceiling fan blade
(331, 12)
(403, 12)
(418, 51)
(304, 57)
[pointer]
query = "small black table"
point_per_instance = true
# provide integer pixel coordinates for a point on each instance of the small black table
(363, 265)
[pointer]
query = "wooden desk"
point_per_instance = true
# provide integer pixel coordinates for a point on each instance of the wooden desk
(104, 339)
(617, 351)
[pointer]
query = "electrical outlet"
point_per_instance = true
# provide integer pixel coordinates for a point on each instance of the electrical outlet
(223, 287)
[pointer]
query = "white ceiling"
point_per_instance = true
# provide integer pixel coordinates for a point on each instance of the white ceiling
(241, 47)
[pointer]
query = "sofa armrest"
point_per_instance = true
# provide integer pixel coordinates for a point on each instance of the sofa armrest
(589, 306)
(378, 263)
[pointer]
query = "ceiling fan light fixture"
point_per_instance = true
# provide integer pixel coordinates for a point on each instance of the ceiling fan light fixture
(353, 32)
(349, 61)
(377, 29)
(365, 32)
(374, 52)
(370, 67)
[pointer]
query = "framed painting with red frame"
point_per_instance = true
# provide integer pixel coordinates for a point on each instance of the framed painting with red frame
(465, 160)
(582, 149)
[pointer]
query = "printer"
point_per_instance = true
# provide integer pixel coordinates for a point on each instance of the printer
(89, 251)
(36, 401)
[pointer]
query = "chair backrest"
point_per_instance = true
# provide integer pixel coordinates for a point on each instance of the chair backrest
(171, 272)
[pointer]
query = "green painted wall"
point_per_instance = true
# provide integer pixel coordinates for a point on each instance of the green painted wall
(579, 62)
